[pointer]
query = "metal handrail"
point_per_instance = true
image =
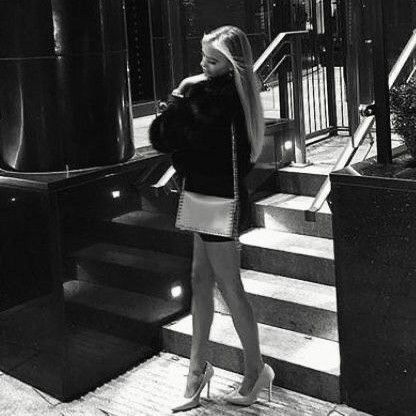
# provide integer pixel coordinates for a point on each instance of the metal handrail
(403, 58)
(360, 134)
(275, 46)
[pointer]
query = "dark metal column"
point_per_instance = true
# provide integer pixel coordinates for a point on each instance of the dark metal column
(64, 86)
(381, 87)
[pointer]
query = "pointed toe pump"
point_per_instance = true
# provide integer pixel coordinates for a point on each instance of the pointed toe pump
(264, 381)
(194, 401)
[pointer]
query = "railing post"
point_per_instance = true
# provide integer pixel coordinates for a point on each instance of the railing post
(353, 40)
(283, 93)
(299, 145)
(329, 54)
(381, 85)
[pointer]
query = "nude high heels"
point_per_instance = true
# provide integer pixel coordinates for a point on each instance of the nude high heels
(194, 401)
(264, 380)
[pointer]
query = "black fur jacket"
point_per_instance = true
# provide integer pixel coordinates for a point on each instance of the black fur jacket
(196, 130)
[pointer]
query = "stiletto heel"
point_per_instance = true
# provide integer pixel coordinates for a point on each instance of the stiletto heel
(265, 380)
(194, 401)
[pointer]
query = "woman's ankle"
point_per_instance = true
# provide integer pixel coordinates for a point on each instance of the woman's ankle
(197, 368)
(254, 371)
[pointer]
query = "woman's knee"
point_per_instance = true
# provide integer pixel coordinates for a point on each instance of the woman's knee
(230, 287)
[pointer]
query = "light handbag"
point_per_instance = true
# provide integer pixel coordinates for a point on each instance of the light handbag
(210, 214)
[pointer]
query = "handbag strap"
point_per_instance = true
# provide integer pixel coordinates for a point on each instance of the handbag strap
(235, 166)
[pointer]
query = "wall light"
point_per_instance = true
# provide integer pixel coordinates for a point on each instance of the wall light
(288, 145)
(116, 194)
(176, 291)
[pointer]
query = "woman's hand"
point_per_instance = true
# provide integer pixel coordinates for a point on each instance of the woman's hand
(188, 82)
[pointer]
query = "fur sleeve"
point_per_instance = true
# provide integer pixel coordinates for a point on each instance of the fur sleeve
(168, 131)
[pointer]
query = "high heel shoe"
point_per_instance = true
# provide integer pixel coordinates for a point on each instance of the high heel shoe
(264, 380)
(194, 401)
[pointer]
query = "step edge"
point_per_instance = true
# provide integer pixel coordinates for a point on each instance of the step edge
(334, 372)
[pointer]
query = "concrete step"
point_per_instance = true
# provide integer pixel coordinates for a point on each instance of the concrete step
(129, 268)
(286, 212)
(127, 314)
(279, 301)
(293, 255)
(150, 231)
(303, 180)
(302, 363)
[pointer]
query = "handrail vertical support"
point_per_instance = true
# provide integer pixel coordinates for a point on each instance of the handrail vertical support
(381, 85)
(330, 75)
(283, 92)
(353, 40)
(299, 145)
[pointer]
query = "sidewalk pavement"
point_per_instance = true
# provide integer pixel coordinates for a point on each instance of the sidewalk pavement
(152, 388)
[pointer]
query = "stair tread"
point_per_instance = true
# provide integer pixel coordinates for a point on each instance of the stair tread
(281, 344)
(314, 169)
(146, 219)
(133, 257)
(292, 202)
(289, 242)
(295, 291)
(119, 302)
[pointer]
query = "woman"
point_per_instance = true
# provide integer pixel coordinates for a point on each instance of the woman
(196, 128)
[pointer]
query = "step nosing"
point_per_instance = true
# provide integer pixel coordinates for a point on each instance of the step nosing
(287, 207)
(144, 219)
(114, 254)
(292, 251)
(294, 302)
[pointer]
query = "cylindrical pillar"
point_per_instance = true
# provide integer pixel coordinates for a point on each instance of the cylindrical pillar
(64, 85)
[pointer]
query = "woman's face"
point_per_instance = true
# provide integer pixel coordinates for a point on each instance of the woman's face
(213, 62)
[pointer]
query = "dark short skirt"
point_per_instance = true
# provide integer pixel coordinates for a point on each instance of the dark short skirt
(208, 238)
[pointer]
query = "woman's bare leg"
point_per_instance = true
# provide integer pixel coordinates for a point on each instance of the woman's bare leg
(225, 261)
(202, 313)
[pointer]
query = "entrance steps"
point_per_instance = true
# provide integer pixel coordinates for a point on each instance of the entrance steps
(288, 273)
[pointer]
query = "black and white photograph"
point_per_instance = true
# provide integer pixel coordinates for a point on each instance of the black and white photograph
(206, 207)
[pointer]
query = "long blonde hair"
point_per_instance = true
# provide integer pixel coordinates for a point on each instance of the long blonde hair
(233, 43)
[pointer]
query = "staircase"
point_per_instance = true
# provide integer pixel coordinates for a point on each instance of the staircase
(122, 280)
(288, 273)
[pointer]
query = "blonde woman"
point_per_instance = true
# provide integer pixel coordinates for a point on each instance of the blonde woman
(196, 129)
